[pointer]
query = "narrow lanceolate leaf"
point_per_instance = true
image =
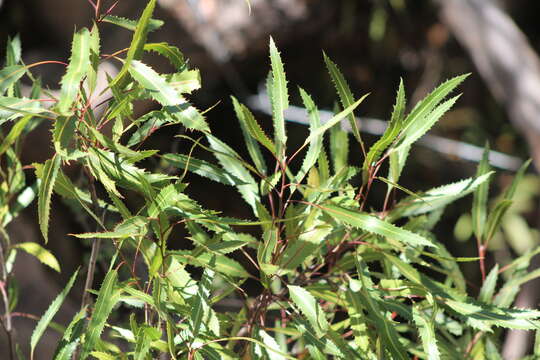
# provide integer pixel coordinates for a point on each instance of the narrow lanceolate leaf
(153, 24)
(71, 337)
(397, 163)
(48, 178)
(14, 133)
(172, 53)
(390, 134)
(495, 217)
(489, 285)
(9, 76)
(42, 254)
(143, 339)
(484, 317)
(480, 196)
(509, 193)
(280, 96)
(14, 107)
(333, 121)
(344, 92)
(13, 50)
(386, 331)
(133, 227)
(108, 296)
(436, 198)
(427, 112)
(308, 306)
(79, 64)
(252, 133)
(219, 263)
(137, 44)
(339, 148)
(426, 329)
(187, 115)
(375, 225)
(64, 129)
(49, 314)
(426, 106)
(202, 168)
(156, 85)
(230, 160)
(248, 121)
(316, 145)
(416, 130)
(273, 352)
(304, 246)
(185, 82)
(95, 49)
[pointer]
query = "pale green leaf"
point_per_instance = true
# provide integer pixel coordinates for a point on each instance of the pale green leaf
(132, 227)
(495, 217)
(185, 82)
(108, 296)
(49, 314)
(437, 198)
(308, 306)
(9, 76)
(202, 168)
(426, 106)
(137, 45)
(412, 131)
(480, 196)
(230, 160)
(426, 329)
(187, 115)
(48, 179)
(344, 92)
(153, 24)
(375, 225)
(280, 97)
(218, 263)
(95, 48)
(172, 53)
(100, 355)
(64, 130)
(14, 107)
(252, 133)
(42, 254)
(509, 193)
(157, 86)
(316, 145)
(488, 287)
(79, 64)
(14, 133)
(390, 134)
(271, 344)
(333, 121)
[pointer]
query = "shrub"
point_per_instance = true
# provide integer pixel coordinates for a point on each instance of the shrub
(337, 279)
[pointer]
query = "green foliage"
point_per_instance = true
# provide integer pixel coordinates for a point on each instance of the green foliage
(335, 278)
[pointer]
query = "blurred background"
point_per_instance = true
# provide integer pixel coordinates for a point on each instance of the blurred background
(374, 42)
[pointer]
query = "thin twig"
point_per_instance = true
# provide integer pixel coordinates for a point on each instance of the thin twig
(96, 243)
